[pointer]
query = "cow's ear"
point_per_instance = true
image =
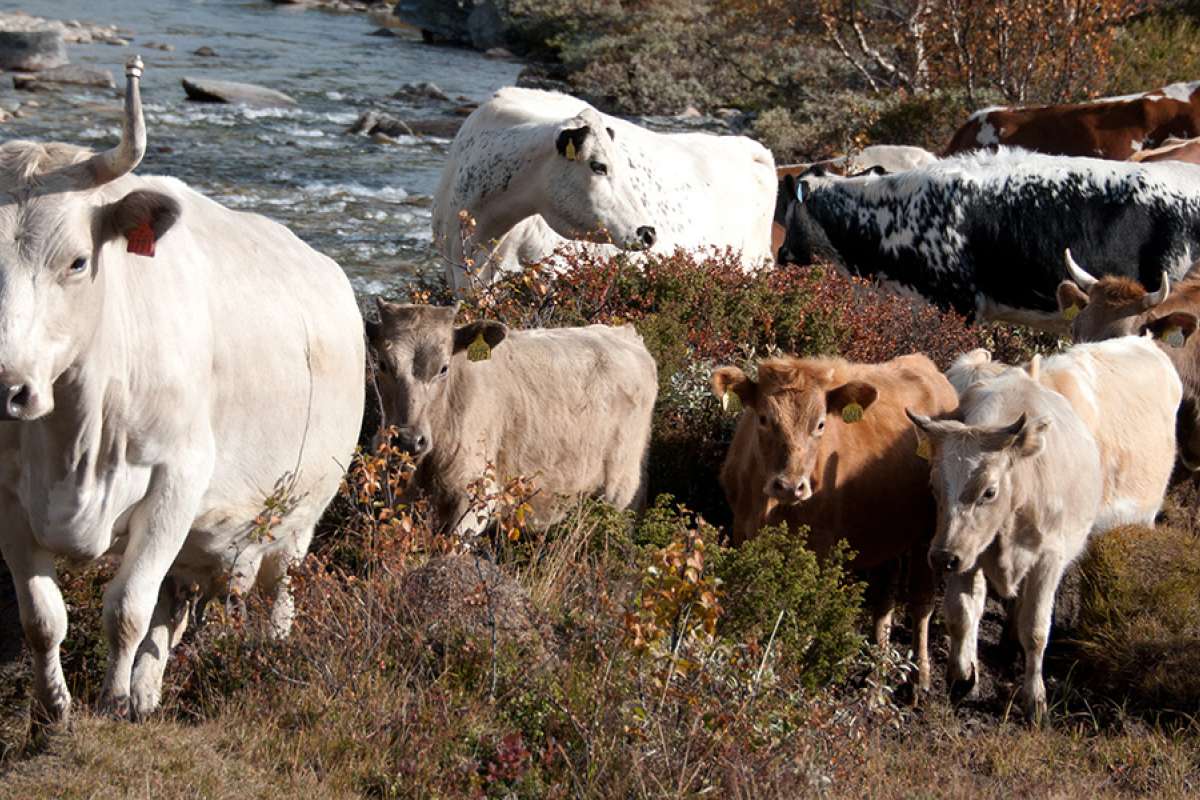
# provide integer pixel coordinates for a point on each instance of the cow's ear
(490, 331)
(732, 379)
(141, 217)
(1025, 437)
(570, 142)
(1071, 296)
(1165, 327)
(374, 330)
(850, 393)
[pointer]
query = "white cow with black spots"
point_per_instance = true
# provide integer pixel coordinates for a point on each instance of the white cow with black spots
(535, 169)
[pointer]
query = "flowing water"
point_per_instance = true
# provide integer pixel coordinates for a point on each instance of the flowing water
(366, 205)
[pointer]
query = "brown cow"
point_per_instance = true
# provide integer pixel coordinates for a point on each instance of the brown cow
(795, 458)
(1185, 150)
(1112, 307)
(1111, 127)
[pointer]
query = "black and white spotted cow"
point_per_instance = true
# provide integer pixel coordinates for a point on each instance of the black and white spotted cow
(536, 169)
(984, 233)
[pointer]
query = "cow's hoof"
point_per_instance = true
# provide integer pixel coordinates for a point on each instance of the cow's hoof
(961, 688)
(143, 702)
(49, 718)
(115, 706)
(1036, 712)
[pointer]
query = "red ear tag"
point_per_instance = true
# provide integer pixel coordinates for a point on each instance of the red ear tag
(141, 240)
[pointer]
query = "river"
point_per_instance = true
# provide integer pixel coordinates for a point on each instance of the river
(366, 205)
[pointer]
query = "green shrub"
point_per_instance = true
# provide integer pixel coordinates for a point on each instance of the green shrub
(775, 577)
(1139, 628)
(1154, 51)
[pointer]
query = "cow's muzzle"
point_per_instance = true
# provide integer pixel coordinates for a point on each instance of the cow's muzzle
(647, 236)
(411, 441)
(20, 402)
(944, 561)
(790, 492)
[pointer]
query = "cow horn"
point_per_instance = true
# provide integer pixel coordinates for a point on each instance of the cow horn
(121, 160)
(1153, 299)
(1078, 273)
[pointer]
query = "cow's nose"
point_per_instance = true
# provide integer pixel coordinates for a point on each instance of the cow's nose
(647, 236)
(944, 560)
(16, 400)
(410, 441)
(803, 490)
(782, 488)
(784, 256)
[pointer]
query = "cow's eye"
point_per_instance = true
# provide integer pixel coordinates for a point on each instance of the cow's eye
(820, 428)
(762, 419)
(78, 265)
(442, 372)
(598, 168)
(989, 494)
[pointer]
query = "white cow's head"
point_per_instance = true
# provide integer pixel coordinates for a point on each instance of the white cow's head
(972, 472)
(586, 185)
(419, 352)
(58, 207)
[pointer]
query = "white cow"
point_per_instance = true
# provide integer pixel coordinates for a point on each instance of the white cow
(167, 367)
(510, 168)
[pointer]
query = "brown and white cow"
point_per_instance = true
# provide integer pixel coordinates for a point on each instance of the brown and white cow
(796, 459)
(568, 407)
(1110, 127)
(1185, 150)
(1127, 393)
(1017, 477)
(1112, 307)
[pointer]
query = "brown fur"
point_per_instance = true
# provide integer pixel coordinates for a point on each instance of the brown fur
(869, 486)
(1100, 129)
(1187, 151)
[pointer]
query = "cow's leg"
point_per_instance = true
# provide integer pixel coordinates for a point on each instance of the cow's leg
(881, 589)
(43, 616)
(922, 588)
(157, 530)
(275, 581)
(963, 606)
(1034, 611)
(167, 624)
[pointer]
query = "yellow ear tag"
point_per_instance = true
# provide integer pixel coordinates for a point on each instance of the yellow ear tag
(923, 449)
(1070, 313)
(851, 413)
(570, 150)
(1173, 336)
(730, 402)
(478, 350)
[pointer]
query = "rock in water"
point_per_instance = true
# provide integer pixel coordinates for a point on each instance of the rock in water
(420, 91)
(206, 91)
(205, 51)
(31, 51)
(483, 24)
(64, 76)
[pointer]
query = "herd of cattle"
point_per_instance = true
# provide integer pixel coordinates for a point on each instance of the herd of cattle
(170, 368)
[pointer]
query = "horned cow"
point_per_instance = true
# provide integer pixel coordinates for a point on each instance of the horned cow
(160, 374)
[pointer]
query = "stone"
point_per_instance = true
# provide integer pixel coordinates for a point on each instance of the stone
(205, 51)
(249, 94)
(68, 75)
(420, 91)
(31, 51)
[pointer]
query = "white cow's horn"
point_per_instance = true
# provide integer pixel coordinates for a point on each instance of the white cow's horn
(1153, 299)
(120, 160)
(1078, 273)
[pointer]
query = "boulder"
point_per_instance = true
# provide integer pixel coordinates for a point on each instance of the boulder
(466, 597)
(373, 123)
(482, 24)
(249, 94)
(31, 51)
(205, 51)
(420, 91)
(68, 75)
